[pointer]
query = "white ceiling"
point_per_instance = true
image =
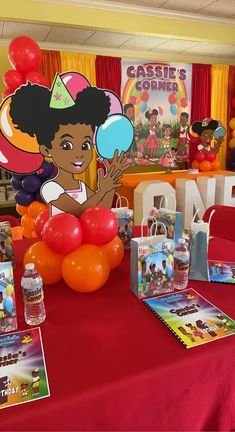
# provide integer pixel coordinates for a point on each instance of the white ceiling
(65, 38)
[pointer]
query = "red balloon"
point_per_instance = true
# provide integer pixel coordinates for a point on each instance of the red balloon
(37, 78)
(24, 54)
(63, 233)
(41, 221)
(210, 156)
(99, 225)
(144, 96)
(199, 156)
(172, 98)
(7, 92)
(184, 102)
(13, 79)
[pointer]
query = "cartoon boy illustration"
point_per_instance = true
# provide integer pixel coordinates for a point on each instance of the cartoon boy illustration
(182, 146)
(24, 389)
(35, 382)
(64, 128)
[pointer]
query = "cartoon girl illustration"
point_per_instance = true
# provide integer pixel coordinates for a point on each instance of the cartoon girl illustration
(205, 131)
(152, 142)
(64, 128)
(152, 278)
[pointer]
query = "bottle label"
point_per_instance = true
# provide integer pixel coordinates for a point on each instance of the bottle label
(181, 265)
(33, 295)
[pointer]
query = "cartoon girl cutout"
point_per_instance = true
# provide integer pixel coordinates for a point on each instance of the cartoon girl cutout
(205, 131)
(152, 142)
(65, 134)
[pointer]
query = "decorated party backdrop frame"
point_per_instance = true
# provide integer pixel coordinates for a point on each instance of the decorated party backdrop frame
(149, 86)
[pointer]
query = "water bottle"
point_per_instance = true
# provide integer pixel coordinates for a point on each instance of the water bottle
(181, 265)
(32, 286)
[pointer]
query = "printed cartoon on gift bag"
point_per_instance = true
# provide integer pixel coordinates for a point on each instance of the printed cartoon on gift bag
(66, 124)
(152, 262)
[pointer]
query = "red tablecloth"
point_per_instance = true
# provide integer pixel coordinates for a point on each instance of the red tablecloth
(113, 366)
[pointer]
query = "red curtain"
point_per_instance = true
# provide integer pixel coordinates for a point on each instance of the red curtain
(108, 73)
(201, 98)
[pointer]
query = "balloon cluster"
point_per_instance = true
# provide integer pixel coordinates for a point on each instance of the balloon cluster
(82, 251)
(25, 57)
(232, 126)
(28, 199)
(231, 158)
(140, 103)
(178, 102)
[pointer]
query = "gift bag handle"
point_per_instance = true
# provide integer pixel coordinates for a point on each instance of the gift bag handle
(166, 199)
(142, 223)
(156, 224)
(209, 221)
(119, 201)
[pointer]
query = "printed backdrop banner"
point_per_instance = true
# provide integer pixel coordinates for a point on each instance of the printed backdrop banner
(157, 99)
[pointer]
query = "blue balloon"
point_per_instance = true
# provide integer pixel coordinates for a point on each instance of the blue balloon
(219, 132)
(8, 304)
(23, 198)
(116, 133)
(169, 271)
(143, 107)
(31, 183)
(16, 184)
(173, 109)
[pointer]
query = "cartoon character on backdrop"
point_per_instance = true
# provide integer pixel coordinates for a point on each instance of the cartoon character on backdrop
(63, 124)
(152, 142)
(182, 146)
(208, 137)
(167, 132)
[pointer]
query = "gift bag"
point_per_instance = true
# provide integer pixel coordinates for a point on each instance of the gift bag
(8, 320)
(6, 248)
(199, 242)
(172, 219)
(151, 262)
(125, 217)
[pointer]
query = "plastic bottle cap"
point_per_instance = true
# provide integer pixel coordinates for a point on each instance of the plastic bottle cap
(30, 266)
(181, 240)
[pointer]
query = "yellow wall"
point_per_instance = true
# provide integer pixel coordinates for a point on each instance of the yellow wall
(4, 66)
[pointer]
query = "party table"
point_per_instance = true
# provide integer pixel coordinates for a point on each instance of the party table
(113, 366)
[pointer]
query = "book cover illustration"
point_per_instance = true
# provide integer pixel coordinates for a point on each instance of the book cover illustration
(8, 321)
(222, 271)
(6, 249)
(23, 376)
(192, 319)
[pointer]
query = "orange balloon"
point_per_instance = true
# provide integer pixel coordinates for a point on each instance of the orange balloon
(47, 262)
(215, 165)
(34, 234)
(35, 208)
(86, 269)
(205, 166)
(27, 222)
(114, 251)
(18, 139)
(21, 210)
(26, 233)
(195, 164)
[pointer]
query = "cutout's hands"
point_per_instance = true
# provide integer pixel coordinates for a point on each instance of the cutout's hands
(119, 162)
(109, 181)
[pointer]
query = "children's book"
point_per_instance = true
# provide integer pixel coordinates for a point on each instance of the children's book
(23, 376)
(222, 271)
(192, 318)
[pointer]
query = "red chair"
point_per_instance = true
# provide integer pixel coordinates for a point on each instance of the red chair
(222, 222)
(12, 219)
